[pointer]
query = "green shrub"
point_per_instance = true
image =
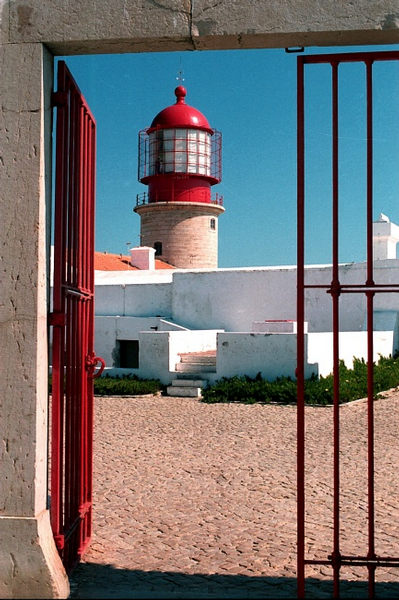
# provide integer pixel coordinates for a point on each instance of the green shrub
(126, 385)
(250, 390)
(320, 391)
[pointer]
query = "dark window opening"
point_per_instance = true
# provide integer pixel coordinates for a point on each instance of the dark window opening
(129, 354)
(213, 223)
(158, 248)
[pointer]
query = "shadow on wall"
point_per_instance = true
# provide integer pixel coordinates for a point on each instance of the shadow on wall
(91, 580)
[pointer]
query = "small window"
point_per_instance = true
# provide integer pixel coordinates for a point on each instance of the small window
(158, 248)
(213, 223)
(129, 354)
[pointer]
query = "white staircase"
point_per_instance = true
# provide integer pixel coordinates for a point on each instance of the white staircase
(192, 373)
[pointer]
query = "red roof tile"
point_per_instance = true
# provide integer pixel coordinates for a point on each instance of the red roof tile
(103, 261)
(160, 264)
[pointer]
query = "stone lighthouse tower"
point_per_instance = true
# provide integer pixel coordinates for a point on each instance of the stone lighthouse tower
(179, 160)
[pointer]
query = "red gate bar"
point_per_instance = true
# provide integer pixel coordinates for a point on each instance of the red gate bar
(300, 370)
(336, 559)
(335, 293)
(370, 327)
(73, 320)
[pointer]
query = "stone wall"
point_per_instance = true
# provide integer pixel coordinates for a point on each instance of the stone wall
(96, 26)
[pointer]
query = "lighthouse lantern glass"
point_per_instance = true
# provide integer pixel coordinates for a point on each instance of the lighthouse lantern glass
(180, 151)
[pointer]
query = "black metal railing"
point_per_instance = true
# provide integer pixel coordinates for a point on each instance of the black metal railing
(143, 198)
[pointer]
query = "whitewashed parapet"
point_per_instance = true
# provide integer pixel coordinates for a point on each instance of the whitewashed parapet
(271, 355)
(277, 326)
(352, 344)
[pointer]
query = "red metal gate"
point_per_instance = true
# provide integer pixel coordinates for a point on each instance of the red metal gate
(338, 558)
(73, 358)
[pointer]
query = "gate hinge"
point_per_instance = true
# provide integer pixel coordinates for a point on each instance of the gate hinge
(59, 541)
(56, 319)
(59, 99)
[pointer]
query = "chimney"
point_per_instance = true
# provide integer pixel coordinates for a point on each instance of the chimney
(143, 257)
(385, 238)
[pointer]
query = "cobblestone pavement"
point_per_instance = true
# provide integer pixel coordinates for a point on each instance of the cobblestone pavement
(199, 501)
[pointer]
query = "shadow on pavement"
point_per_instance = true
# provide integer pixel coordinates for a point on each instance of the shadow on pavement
(91, 580)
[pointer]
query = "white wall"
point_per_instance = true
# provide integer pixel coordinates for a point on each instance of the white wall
(351, 344)
(233, 299)
(136, 300)
(273, 355)
(238, 353)
(110, 329)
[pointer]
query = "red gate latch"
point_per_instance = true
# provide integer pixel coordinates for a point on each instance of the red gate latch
(91, 363)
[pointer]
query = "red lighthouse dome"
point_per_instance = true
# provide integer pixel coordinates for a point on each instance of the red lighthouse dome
(180, 114)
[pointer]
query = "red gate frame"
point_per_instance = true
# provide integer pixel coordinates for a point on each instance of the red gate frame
(73, 322)
(335, 289)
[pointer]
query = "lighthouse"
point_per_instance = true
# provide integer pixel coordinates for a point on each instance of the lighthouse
(179, 161)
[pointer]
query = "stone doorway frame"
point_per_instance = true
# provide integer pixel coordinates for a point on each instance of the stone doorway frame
(31, 33)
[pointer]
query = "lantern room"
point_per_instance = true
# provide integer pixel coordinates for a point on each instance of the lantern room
(179, 151)
(180, 154)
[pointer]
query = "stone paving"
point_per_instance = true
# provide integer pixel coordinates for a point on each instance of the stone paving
(199, 501)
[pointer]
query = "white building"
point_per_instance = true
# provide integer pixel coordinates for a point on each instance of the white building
(146, 318)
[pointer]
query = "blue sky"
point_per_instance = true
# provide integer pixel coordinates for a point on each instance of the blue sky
(249, 95)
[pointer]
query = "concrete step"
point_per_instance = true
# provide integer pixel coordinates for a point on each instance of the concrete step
(183, 391)
(189, 382)
(195, 368)
(204, 375)
(197, 359)
(199, 353)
